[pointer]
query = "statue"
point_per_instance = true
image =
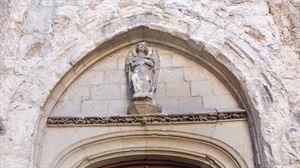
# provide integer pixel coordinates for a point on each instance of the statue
(142, 71)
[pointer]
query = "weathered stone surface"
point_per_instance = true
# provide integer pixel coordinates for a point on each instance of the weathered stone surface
(165, 60)
(182, 62)
(118, 107)
(68, 108)
(195, 73)
(178, 89)
(110, 63)
(92, 78)
(203, 88)
(94, 107)
(190, 105)
(161, 90)
(106, 92)
(117, 77)
(170, 105)
(41, 40)
(219, 102)
(171, 75)
(78, 93)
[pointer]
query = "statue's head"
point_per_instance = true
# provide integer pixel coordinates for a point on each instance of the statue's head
(142, 47)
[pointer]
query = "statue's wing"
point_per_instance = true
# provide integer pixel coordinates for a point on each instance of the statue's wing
(127, 62)
(128, 69)
(156, 60)
(156, 67)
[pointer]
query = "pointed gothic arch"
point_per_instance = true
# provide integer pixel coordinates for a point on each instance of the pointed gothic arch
(208, 56)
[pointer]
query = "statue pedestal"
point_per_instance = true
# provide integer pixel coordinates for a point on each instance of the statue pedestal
(143, 108)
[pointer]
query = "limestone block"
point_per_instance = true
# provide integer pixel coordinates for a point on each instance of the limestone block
(125, 92)
(115, 76)
(161, 90)
(248, 9)
(94, 108)
(77, 93)
(125, 3)
(219, 89)
(195, 73)
(67, 108)
(118, 107)
(204, 30)
(121, 60)
(219, 102)
(169, 105)
(109, 63)
(178, 89)
(39, 19)
(91, 78)
(31, 46)
(190, 105)
(202, 88)
(74, 48)
(171, 75)
(181, 61)
(106, 92)
(165, 61)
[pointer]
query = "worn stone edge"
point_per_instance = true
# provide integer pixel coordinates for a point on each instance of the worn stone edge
(146, 119)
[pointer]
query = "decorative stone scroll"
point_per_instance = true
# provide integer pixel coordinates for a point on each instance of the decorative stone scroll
(144, 120)
(142, 71)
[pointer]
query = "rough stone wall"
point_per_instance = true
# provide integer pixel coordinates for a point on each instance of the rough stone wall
(40, 40)
(184, 87)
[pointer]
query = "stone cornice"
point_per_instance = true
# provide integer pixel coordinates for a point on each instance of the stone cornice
(144, 120)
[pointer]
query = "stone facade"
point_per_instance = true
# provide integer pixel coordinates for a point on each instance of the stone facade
(41, 40)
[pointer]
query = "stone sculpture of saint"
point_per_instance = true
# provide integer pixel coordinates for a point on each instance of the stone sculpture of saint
(142, 71)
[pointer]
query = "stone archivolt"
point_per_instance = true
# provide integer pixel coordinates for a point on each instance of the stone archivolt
(108, 148)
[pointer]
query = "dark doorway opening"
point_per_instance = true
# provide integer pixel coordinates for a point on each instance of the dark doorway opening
(150, 164)
(151, 161)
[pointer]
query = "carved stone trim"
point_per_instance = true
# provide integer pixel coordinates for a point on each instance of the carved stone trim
(144, 120)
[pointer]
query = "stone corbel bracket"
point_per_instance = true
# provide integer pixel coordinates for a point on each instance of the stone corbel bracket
(147, 119)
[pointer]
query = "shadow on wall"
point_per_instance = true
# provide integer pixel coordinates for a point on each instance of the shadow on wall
(2, 130)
